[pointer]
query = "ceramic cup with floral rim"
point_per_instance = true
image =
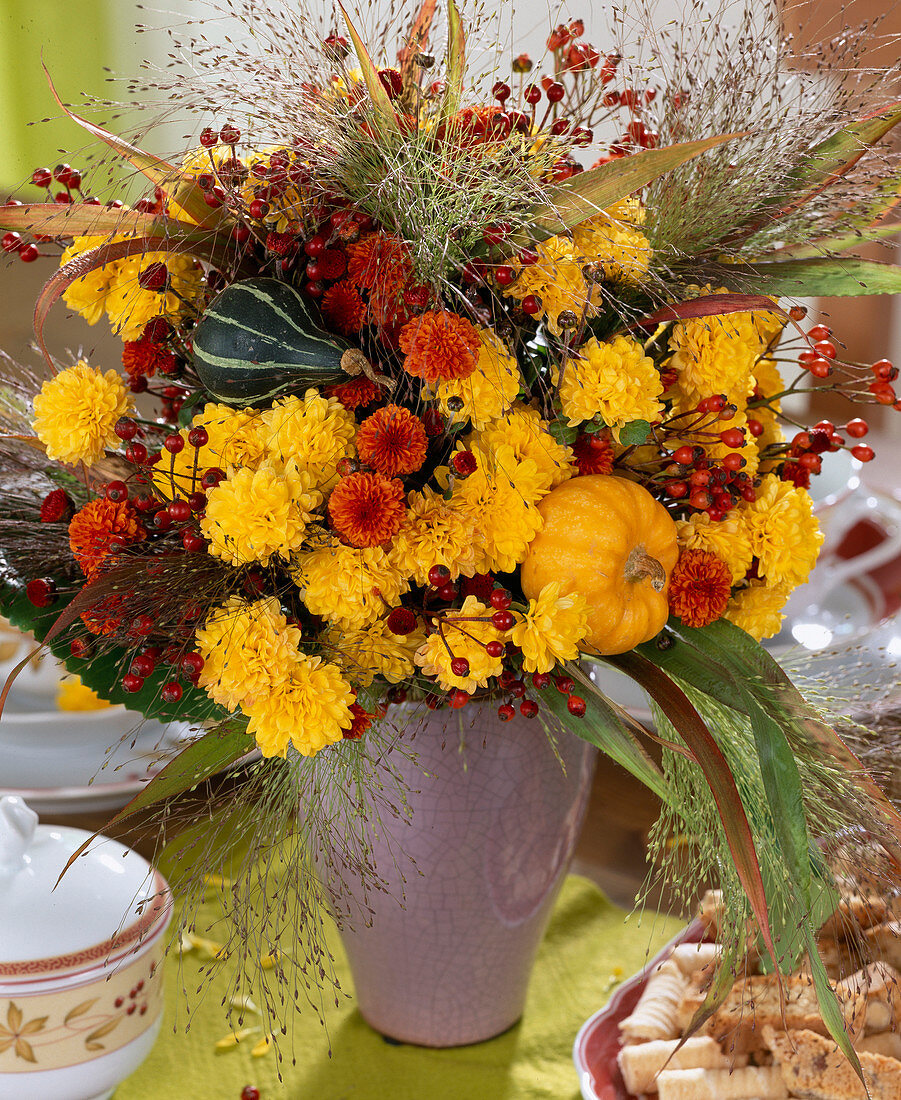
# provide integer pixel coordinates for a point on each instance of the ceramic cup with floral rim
(80, 964)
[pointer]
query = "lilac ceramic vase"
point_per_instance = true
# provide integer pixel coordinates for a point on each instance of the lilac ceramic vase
(471, 874)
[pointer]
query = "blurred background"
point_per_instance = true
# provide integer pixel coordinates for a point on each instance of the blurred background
(89, 46)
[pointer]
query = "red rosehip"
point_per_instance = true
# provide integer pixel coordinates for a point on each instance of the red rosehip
(458, 699)
(460, 666)
(501, 91)
(555, 92)
(116, 491)
(42, 177)
(142, 665)
(495, 649)
(192, 542)
(179, 511)
(685, 456)
(531, 305)
(41, 592)
(733, 437)
(540, 680)
(863, 453)
(209, 137)
(29, 253)
(506, 712)
(198, 437)
(229, 134)
(211, 477)
(132, 683)
(174, 443)
(171, 691)
(438, 576)
(447, 592)
(503, 620)
(11, 242)
(191, 664)
(565, 685)
(528, 708)
(857, 428)
(401, 621)
(575, 704)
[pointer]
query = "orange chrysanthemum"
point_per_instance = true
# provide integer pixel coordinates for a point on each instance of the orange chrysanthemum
(797, 474)
(343, 307)
(379, 262)
(699, 587)
(392, 441)
(143, 358)
(101, 528)
(593, 454)
(356, 394)
(440, 346)
(367, 509)
(362, 720)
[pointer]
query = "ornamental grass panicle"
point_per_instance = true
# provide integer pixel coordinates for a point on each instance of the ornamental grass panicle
(551, 629)
(75, 413)
(464, 635)
(254, 515)
(556, 281)
(614, 380)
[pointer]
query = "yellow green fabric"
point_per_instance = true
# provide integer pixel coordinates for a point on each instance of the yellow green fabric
(589, 946)
(75, 38)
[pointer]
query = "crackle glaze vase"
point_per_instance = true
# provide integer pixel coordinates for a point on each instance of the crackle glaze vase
(471, 874)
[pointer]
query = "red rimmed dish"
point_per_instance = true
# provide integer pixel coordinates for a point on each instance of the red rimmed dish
(598, 1042)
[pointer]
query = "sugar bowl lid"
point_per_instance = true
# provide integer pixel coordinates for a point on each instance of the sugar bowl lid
(107, 905)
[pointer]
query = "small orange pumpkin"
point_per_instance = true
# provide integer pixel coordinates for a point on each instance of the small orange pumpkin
(608, 540)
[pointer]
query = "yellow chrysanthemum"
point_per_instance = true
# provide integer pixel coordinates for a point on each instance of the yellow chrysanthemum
(348, 586)
(76, 411)
(435, 531)
(309, 708)
(489, 390)
(501, 493)
(767, 383)
(523, 429)
(373, 651)
(785, 535)
(313, 431)
(611, 240)
(718, 354)
(615, 380)
(73, 695)
(728, 539)
(758, 609)
(468, 640)
(254, 515)
(556, 280)
(551, 629)
(236, 438)
(115, 290)
(246, 648)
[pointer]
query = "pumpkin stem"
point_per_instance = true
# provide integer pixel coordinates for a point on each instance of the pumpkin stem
(640, 564)
(354, 362)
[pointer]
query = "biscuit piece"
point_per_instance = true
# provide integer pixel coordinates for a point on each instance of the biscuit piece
(814, 1068)
(692, 957)
(886, 1043)
(640, 1064)
(753, 1004)
(654, 1017)
(885, 942)
(751, 1083)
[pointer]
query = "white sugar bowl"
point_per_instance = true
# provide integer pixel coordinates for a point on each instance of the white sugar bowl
(80, 963)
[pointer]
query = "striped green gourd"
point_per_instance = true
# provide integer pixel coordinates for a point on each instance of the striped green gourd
(259, 339)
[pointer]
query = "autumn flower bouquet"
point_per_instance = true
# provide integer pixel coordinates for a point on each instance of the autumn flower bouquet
(438, 386)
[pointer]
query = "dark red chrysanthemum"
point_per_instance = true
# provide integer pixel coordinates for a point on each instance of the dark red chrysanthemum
(440, 346)
(367, 509)
(593, 454)
(143, 358)
(797, 474)
(361, 723)
(356, 394)
(699, 587)
(343, 307)
(481, 586)
(392, 441)
(57, 507)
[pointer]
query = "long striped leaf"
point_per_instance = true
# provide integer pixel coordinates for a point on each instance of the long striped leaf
(774, 691)
(50, 219)
(178, 185)
(830, 1009)
(588, 193)
(710, 305)
(610, 729)
(381, 101)
(677, 707)
(456, 60)
(842, 278)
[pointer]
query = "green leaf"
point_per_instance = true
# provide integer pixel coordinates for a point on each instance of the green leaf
(609, 728)
(837, 277)
(710, 759)
(103, 672)
(381, 101)
(720, 987)
(635, 433)
(562, 432)
(588, 193)
(199, 761)
(829, 1006)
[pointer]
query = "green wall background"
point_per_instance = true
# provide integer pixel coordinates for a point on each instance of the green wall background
(78, 38)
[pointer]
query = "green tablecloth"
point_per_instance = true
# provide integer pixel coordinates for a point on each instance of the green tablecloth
(589, 946)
